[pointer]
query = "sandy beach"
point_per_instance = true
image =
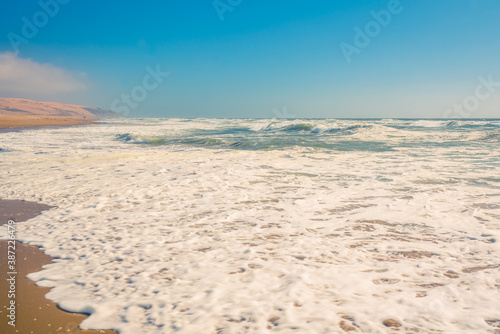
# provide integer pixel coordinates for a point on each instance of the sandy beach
(246, 167)
(35, 121)
(34, 313)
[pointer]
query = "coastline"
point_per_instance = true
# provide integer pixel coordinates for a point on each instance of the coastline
(34, 313)
(36, 121)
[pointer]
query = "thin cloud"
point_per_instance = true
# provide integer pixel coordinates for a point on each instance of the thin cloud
(25, 76)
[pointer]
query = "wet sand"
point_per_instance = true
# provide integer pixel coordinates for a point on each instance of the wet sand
(34, 121)
(34, 313)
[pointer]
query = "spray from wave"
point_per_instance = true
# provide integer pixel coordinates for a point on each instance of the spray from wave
(337, 135)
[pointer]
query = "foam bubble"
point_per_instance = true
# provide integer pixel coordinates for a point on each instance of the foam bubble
(181, 238)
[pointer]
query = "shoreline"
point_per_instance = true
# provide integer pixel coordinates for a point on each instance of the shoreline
(37, 121)
(34, 313)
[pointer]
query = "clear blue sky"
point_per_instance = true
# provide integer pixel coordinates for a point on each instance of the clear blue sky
(263, 55)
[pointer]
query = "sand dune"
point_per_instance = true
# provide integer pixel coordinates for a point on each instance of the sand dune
(30, 113)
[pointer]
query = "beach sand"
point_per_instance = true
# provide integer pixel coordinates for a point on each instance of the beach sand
(33, 121)
(34, 313)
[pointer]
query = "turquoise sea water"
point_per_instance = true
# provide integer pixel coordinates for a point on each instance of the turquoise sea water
(377, 135)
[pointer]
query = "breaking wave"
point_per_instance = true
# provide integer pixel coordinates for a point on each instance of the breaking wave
(338, 135)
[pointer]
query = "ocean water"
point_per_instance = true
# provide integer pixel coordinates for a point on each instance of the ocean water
(266, 226)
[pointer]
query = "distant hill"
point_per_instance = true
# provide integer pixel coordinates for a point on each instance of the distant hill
(20, 107)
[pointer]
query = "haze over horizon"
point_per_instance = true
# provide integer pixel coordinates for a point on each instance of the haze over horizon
(250, 59)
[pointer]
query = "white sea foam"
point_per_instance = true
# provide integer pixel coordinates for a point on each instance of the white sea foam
(186, 239)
